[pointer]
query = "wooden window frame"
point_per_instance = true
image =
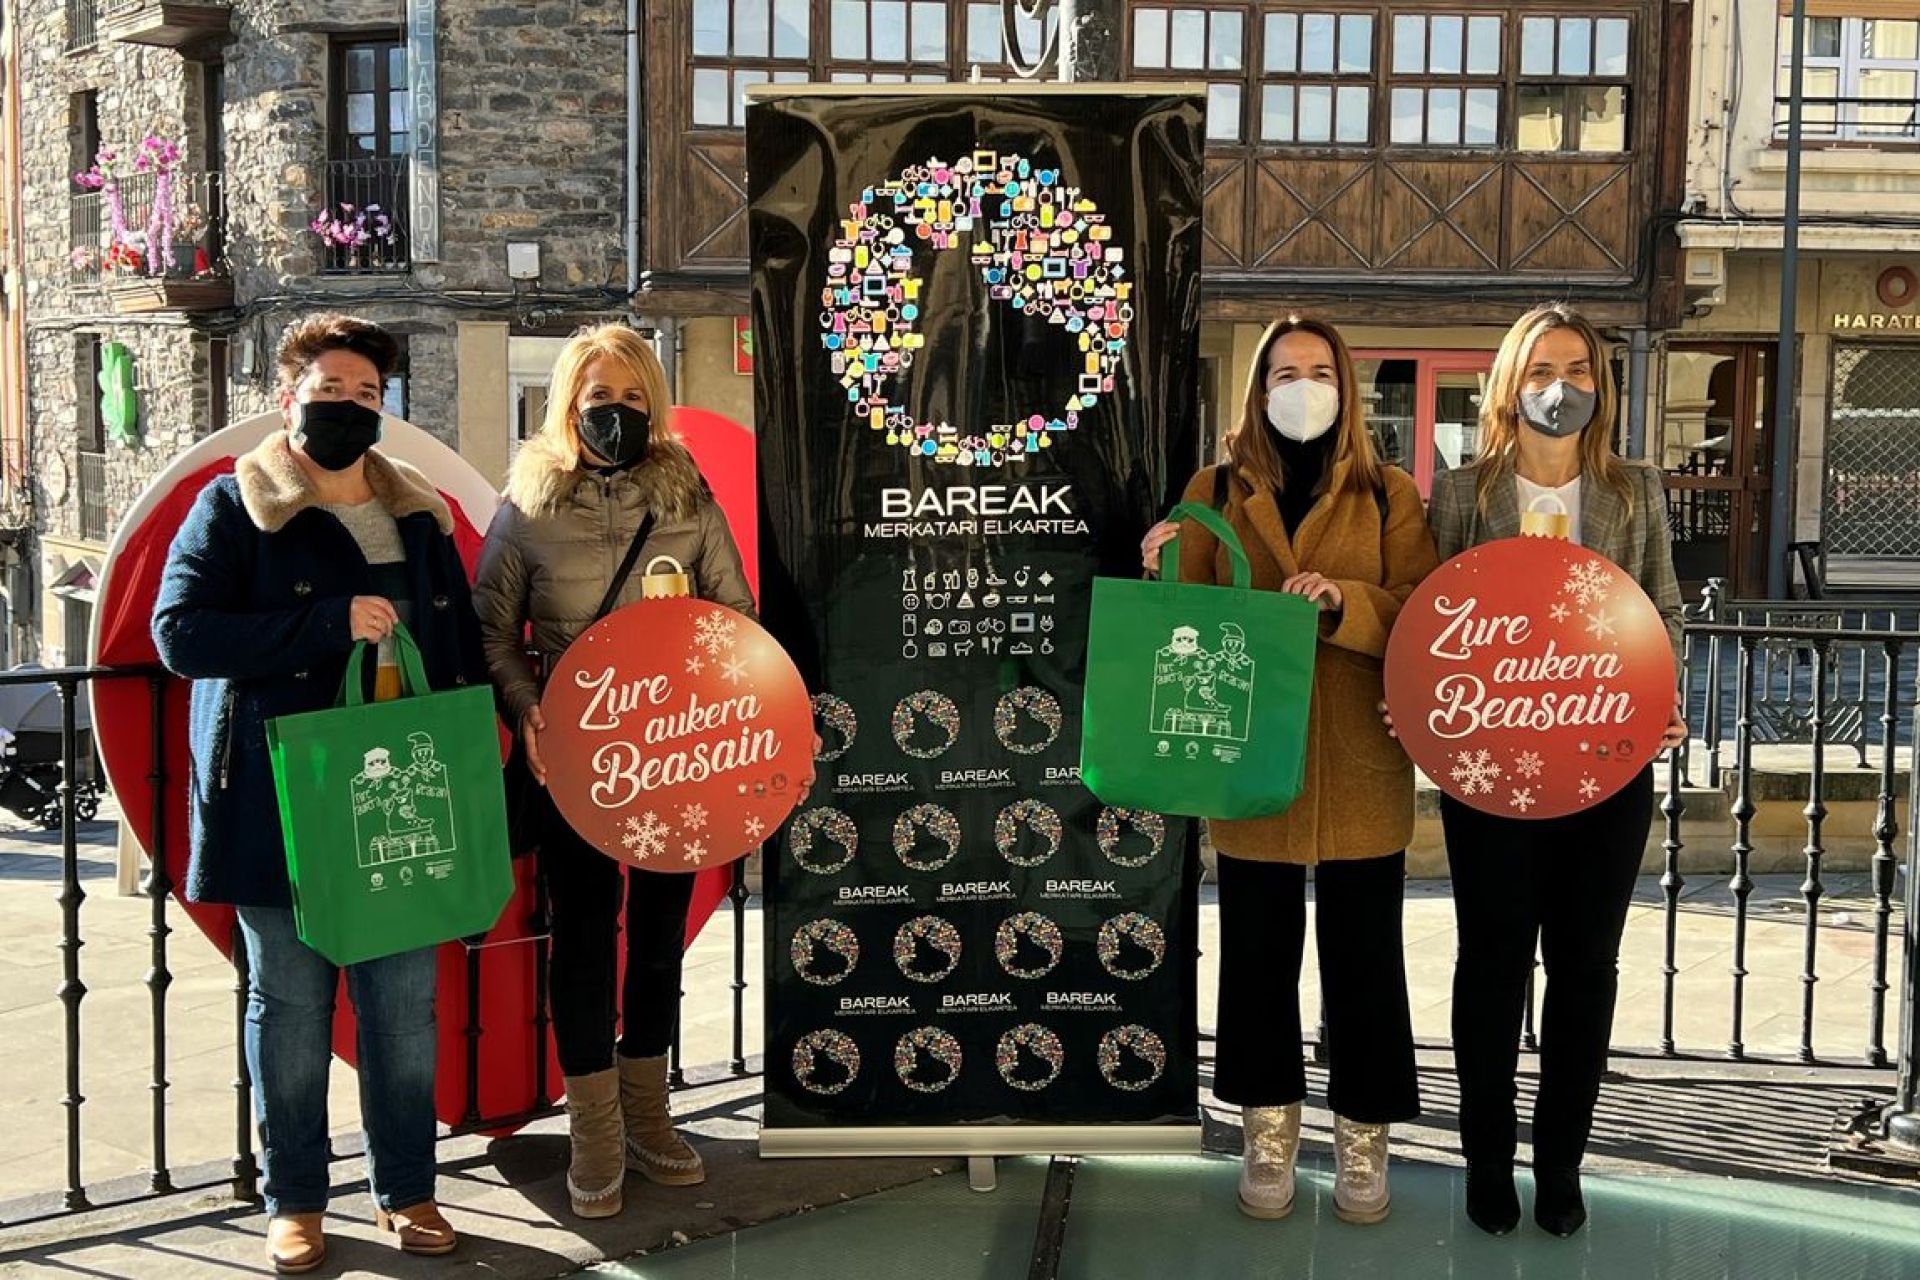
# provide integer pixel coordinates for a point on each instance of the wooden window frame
(1571, 86)
(338, 136)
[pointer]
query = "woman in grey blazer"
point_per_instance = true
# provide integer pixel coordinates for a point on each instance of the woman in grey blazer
(1546, 437)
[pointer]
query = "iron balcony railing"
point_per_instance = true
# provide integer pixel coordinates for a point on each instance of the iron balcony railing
(1863, 119)
(82, 25)
(362, 226)
(197, 240)
(90, 493)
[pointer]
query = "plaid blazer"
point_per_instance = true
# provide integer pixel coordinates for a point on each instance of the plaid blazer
(1634, 537)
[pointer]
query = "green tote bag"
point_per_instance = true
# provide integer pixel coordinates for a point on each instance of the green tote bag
(1197, 695)
(394, 815)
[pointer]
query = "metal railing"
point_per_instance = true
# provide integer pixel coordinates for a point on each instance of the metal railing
(82, 25)
(1881, 119)
(199, 235)
(90, 496)
(1745, 642)
(366, 207)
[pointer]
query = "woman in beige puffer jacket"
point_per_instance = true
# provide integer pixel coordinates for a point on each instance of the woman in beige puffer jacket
(604, 458)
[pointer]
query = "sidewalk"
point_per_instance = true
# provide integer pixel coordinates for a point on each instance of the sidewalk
(509, 1190)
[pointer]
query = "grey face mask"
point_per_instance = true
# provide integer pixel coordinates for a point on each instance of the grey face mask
(1558, 410)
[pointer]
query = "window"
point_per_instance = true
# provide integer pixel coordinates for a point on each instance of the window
(1446, 80)
(370, 134)
(1573, 84)
(741, 42)
(87, 225)
(83, 132)
(393, 401)
(1861, 78)
(895, 41)
(1316, 73)
(1194, 43)
(986, 48)
(89, 434)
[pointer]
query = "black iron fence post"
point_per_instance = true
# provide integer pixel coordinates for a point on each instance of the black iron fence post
(245, 1172)
(1812, 889)
(1903, 1118)
(1885, 828)
(159, 885)
(72, 990)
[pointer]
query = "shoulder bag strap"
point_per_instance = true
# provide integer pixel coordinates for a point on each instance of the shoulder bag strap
(625, 570)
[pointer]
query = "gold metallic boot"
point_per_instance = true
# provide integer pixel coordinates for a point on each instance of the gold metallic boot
(1360, 1193)
(653, 1148)
(1270, 1139)
(595, 1172)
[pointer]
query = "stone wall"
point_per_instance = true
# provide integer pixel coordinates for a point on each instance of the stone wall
(533, 120)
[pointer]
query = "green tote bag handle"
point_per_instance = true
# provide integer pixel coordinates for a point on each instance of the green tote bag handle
(413, 671)
(1215, 524)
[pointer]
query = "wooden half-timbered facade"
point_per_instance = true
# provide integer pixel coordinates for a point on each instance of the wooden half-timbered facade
(1418, 172)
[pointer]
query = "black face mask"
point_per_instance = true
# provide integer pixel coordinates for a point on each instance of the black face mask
(335, 433)
(619, 433)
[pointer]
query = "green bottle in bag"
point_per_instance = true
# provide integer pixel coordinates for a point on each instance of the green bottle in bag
(394, 815)
(1197, 695)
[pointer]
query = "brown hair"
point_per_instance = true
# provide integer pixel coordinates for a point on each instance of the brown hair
(307, 340)
(1500, 405)
(1251, 450)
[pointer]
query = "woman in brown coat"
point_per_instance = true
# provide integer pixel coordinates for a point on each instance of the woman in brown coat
(1319, 516)
(603, 464)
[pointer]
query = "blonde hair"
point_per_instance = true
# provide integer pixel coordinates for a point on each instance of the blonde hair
(1251, 450)
(1500, 424)
(560, 429)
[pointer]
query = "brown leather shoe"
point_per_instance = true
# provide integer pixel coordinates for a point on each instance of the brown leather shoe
(421, 1228)
(295, 1243)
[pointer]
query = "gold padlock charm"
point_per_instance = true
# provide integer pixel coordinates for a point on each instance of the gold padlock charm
(660, 586)
(1538, 523)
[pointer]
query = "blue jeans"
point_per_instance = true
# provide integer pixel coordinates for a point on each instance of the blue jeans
(290, 997)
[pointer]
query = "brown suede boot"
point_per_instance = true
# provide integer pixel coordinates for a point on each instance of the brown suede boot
(653, 1148)
(295, 1243)
(595, 1173)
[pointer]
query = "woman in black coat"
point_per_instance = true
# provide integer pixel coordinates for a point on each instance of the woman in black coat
(316, 542)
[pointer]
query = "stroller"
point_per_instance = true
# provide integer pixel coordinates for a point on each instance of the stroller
(30, 754)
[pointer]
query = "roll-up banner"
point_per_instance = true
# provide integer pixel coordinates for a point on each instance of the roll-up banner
(975, 315)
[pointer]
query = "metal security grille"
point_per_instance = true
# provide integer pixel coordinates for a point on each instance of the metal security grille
(1873, 452)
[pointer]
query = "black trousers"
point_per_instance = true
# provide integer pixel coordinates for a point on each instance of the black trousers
(1363, 984)
(1563, 884)
(583, 891)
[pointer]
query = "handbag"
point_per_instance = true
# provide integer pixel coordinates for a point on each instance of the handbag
(530, 810)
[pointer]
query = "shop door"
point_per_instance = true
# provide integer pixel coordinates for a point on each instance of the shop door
(1424, 408)
(1718, 458)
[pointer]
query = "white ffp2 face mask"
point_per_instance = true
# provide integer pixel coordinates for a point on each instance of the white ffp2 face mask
(1303, 409)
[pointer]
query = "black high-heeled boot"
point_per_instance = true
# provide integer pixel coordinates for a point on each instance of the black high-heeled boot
(1492, 1203)
(1557, 1203)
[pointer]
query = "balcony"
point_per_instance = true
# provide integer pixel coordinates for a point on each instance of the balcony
(138, 281)
(190, 26)
(90, 496)
(1857, 120)
(363, 227)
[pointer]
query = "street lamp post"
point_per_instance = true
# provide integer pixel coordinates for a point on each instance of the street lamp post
(1785, 439)
(1082, 44)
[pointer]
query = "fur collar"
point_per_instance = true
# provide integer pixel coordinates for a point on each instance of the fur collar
(274, 489)
(669, 481)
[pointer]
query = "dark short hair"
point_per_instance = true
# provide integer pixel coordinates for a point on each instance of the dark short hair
(307, 340)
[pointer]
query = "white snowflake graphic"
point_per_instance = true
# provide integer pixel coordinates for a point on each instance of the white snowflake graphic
(714, 632)
(1600, 624)
(1528, 764)
(1589, 788)
(694, 851)
(1559, 612)
(734, 670)
(1522, 798)
(1587, 583)
(645, 836)
(755, 828)
(693, 816)
(1476, 772)
(695, 666)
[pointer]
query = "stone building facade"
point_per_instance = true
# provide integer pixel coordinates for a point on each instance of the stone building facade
(284, 112)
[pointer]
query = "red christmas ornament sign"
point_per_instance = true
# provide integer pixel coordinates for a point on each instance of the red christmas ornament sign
(679, 735)
(1530, 677)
